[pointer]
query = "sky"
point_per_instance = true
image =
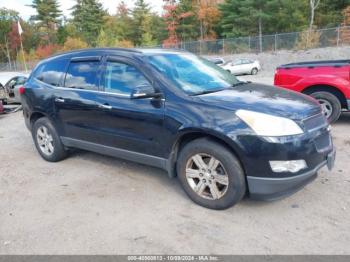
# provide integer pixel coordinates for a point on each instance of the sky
(25, 11)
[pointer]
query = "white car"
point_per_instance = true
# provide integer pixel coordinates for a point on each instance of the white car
(9, 84)
(242, 66)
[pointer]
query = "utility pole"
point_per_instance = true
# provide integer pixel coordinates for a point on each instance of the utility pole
(20, 31)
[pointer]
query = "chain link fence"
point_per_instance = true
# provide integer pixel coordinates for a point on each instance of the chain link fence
(329, 37)
(17, 66)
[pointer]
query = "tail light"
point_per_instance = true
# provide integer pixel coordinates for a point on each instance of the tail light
(21, 90)
(276, 78)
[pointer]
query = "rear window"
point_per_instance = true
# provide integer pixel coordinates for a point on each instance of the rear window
(82, 75)
(51, 73)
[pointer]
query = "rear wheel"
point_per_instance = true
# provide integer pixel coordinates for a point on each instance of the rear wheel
(47, 141)
(330, 104)
(255, 71)
(210, 174)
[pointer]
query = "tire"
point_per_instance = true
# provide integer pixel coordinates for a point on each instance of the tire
(254, 71)
(50, 147)
(229, 176)
(330, 105)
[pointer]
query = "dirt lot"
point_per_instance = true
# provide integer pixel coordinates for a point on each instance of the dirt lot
(92, 204)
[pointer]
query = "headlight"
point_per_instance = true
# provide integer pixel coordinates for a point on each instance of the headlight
(268, 125)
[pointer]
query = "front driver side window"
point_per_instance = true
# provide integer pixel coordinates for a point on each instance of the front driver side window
(121, 79)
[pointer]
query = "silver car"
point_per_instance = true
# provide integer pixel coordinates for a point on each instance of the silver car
(242, 66)
(11, 88)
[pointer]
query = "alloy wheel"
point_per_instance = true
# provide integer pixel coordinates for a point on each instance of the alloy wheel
(326, 107)
(45, 140)
(207, 176)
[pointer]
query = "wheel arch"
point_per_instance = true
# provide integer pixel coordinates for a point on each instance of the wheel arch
(189, 136)
(35, 116)
(330, 89)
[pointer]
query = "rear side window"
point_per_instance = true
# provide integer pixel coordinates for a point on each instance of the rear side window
(51, 73)
(82, 75)
(247, 61)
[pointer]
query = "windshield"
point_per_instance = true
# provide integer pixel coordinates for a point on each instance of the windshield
(192, 74)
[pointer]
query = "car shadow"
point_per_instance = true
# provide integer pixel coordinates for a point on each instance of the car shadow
(344, 118)
(138, 171)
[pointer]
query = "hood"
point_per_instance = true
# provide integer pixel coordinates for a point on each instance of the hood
(265, 99)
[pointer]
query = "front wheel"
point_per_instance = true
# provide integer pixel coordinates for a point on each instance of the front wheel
(330, 104)
(210, 174)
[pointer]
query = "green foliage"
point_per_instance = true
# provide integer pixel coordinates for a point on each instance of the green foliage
(74, 43)
(330, 13)
(88, 18)
(142, 33)
(188, 27)
(7, 18)
(241, 18)
(48, 13)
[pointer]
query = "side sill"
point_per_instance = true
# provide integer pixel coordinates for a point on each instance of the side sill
(116, 152)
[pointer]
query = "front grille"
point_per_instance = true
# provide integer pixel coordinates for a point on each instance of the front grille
(315, 122)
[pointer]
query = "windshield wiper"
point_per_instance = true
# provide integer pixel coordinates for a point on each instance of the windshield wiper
(241, 83)
(207, 92)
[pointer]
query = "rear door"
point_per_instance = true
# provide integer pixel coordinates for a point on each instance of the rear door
(75, 102)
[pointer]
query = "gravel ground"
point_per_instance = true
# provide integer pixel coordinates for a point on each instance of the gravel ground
(93, 204)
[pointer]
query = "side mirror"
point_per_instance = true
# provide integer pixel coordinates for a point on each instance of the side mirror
(144, 91)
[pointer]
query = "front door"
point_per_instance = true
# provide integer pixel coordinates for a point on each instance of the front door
(134, 125)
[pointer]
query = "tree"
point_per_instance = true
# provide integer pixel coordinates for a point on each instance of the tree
(47, 18)
(147, 36)
(7, 18)
(74, 43)
(116, 28)
(289, 16)
(172, 21)
(187, 28)
(208, 15)
(330, 13)
(88, 18)
(48, 13)
(247, 17)
(313, 6)
(141, 26)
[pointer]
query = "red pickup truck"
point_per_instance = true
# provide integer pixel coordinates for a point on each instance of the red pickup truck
(326, 81)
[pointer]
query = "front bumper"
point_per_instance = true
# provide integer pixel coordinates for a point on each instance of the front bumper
(314, 147)
(276, 188)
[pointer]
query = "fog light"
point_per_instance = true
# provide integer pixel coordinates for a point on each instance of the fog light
(292, 166)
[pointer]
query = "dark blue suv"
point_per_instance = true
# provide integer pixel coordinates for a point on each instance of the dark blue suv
(221, 137)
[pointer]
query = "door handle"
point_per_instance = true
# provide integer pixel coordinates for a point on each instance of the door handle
(59, 100)
(105, 106)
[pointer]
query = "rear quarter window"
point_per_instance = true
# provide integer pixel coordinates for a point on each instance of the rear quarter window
(82, 75)
(52, 72)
